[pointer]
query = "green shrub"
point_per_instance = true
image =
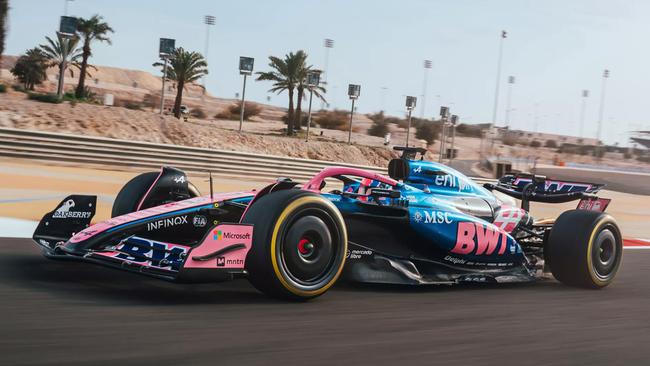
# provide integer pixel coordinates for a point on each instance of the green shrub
(510, 140)
(469, 130)
(19, 88)
(427, 131)
(3, 88)
(198, 113)
(535, 143)
(133, 105)
(379, 129)
(333, 120)
(233, 112)
(45, 98)
(550, 144)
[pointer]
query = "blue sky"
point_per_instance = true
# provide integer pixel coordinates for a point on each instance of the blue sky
(555, 48)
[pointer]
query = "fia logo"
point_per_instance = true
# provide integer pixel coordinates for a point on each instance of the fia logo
(221, 261)
(200, 221)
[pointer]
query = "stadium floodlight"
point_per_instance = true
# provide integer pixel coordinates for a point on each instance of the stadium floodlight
(354, 91)
(246, 65)
(444, 115)
(410, 105)
(245, 68)
(313, 80)
(166, 47)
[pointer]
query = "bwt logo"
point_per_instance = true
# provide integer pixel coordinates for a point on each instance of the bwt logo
(220, 235)
(474, 238)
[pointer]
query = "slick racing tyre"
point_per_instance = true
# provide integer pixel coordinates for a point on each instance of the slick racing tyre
(584, 249)
(131, 194)
(299, 244)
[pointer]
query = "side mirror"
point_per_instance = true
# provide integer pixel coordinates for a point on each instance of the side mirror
(385, 193)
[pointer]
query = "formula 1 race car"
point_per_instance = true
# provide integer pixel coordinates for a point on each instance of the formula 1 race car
(425, 223)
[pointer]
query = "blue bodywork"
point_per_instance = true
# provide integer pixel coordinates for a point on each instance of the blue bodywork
(439, 230)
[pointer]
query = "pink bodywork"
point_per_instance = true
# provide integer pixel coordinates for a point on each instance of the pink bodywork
(219, 238)
(315, 182)
(166, 208)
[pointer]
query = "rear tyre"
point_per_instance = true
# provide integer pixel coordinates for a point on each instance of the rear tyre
(584, 249)
(299, 244)
(131, 194)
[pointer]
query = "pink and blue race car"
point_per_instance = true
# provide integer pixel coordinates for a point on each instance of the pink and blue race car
(424, 224)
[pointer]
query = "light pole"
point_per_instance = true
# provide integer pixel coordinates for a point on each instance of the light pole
(602, 104)
(496, 89)
(511, 82)
(383, 97)
(67, 31)
(353, 92)
(410, 105)
(313, 79)
(245, 68)
(428, 64)
(585, 95)
(328, 44)
(208, 20)
(165, 49)
(65, 7)
(444, 114)
(454, 121)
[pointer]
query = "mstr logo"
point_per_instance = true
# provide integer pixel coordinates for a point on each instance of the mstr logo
(220, 235)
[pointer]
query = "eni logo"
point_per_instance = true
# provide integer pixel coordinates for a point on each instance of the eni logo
(217, 235)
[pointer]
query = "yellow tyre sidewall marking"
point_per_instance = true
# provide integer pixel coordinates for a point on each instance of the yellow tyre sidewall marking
(592, 271)
(274, 241)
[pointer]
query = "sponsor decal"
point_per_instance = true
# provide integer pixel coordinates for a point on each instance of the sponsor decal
(64, 212)
(157, 254)
(223, 261)
(508, 218)
(199, 221)
(357, 253)
(418, 170)
(220, 235)
(451, 182)
(179, 179)
(478, 239)
(167, 222)
(432, 217)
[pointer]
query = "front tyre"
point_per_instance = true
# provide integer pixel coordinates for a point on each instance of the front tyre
(584, 249)
(299, 244)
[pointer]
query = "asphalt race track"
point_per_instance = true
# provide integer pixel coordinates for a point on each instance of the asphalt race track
(61, 312)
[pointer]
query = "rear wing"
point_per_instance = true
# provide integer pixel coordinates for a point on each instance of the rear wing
(538, 188)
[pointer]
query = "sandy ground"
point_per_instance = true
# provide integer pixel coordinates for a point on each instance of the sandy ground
(28, 190)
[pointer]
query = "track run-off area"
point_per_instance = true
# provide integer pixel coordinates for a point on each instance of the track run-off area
(73, 313)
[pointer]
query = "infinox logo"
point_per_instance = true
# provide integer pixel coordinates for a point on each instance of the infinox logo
(220, 235)
(478, 239)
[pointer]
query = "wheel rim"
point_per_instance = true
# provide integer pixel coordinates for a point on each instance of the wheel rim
(310, 249)
(605, 254)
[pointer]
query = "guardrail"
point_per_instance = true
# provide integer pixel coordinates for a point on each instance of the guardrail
(105, 151)
(69, 148)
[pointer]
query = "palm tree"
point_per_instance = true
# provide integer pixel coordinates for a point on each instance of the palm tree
(4, 9)
(184, 67)
(64, 51)
(285, 75)
(301, 87)
(93, 29)
(30, 68)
